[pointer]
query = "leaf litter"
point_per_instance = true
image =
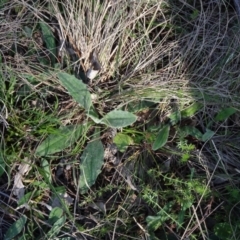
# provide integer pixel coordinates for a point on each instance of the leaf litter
(23, 169)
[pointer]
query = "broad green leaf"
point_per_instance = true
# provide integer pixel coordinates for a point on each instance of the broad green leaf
(176, 116)
(2, 165)
(191, 110)
(225, 114)
(31, 195)
(16, 228)
(65, 137)
(56, 228)
(55, 214)
(118, 119)
(122, 141)
(77, 89)
(162, 137)
(91, 164)
(25, 198)
(49, 39)
(192, 131)
(207, 135)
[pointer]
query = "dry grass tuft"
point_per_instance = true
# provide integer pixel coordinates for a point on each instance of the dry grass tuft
(125, 37)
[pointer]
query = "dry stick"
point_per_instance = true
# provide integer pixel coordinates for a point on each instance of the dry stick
(199, 222)
(219, 159)
(140, 226)
(114, 229)
(204, 217)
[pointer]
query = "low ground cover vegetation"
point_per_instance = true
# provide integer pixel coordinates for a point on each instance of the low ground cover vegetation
(119, 119)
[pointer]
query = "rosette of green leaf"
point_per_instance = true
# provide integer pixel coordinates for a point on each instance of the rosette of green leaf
(78, 90)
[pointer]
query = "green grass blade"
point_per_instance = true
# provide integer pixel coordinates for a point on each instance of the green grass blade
(55, 214)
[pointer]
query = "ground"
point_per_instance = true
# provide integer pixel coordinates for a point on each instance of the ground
(119, 119)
